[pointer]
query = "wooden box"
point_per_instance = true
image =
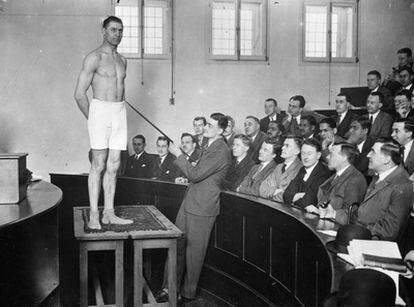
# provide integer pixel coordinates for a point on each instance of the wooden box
(12, 177)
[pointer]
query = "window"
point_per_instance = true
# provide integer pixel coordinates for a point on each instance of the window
(146, 28)
(238, 29)
(330, 32)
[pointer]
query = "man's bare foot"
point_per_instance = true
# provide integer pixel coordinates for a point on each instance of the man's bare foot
(94, 220)
(109, 217)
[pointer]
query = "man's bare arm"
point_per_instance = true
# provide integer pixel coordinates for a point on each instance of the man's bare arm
(89, 66)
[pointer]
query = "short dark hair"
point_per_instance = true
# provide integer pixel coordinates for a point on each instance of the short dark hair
(163, 138)
(190, 135)
(404, 92)
(221, 120)
(231, 119)
(314, 143)
(328, 120)
(244, 138)
(299, 98)
(272, 100)
(347, 97)
(297, 139)
(407, 68)
(109, 19)
(364, 122)
(139, 136)
(375, 73)
(391, 148)
(348, 150)
(311, 120)
(254, 118)
(197, 118)
(279, 126)
(379, 95)
(408, 125)
(405, 50)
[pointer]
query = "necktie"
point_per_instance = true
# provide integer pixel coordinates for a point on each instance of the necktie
(371, 119)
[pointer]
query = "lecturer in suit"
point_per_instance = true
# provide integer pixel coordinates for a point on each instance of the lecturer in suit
(141, 163)
(201, 203)
(272, 115)
(344, 116)
(381, 122)
(403, 133)
(386, 206)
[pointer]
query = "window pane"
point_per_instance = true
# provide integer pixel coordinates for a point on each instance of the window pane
(342, 31)
(224, 27)
(129, 16)
(315, 31)
(251, 28)
(153, 29)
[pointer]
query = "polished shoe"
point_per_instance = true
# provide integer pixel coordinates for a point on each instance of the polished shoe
(162, 296)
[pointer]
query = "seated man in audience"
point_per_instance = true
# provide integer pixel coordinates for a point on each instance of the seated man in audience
(381, 122)
(292, 121)
(386, 206)
(344, 116)
(403, 105)
(374, 85)
(192, 153)
(164, 168)
(275, 134)
(327, 133)
(140, 164)
(406, 78)
(272, 115)
(403, 133)
(241, 163)
(276, 183)
(359, 136)
(344, 188)
(229, 133)
(392, 82)
(257, 137)
(308, 127)
(302, 190)
(198, 124)
(259, 172)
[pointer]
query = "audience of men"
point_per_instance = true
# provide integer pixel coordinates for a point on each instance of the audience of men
(374, 85)
(141, 163)
(403, 104)
(344, 116)
(308, 127)
(381, 122)
(406, 75)
(259, 172)
(229, 133)
(199, 123)
(387, 202)
(344, 188)
(164, 168)
(257, 137)
(272, 115)
(403, 133)
(294, 113)
(302, 190)
(192, 153)
(276, 183)
(241, 163)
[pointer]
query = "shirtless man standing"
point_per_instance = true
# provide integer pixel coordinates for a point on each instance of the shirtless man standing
(104, 69)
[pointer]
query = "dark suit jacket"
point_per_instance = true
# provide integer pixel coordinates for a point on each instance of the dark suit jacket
(167, 171)
(205, 179)
(343, 191)
(382, 125)
(237, 173)
(203, 144)
(230, 141)
(386, 206)
(361, 161)
(409, 163)
(255, 146)
(251, 183)
(141, 168)
(264, 122)
(291, 128)
(319, 174)
(343, 127)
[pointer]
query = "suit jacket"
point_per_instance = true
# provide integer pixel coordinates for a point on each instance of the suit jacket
(343, 191)
(382, 125)
(291, 128)
(193, 159)
(279, 181)
(264, 122)
(251, 183)
(361, 162)
(343, 127)
(166, 171)
(386, 206)
(205, 179)
(409, 162)
(230, 141)
(319, 174)
(140, 168)
(237, 173)
(202, 144)
(255, 146)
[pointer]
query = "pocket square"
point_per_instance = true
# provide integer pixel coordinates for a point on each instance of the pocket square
(143, 165)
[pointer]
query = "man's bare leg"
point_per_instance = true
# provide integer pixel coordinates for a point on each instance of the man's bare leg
(109, 184)
(99, 158)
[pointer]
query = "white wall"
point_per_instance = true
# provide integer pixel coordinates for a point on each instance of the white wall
(44, 42)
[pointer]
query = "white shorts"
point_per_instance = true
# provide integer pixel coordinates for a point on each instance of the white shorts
(107, 125)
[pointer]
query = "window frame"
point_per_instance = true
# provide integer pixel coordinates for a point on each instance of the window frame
(329, 8)
(237, 35)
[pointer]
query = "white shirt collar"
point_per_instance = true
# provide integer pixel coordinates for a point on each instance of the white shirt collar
(254, 136)
(263, 165)
(340, 172)
(361, 145)
(374, 115)
(408, 87)
(137, 156)
(309, 171)
(383, 175)
(407, 149)
(163, 158)
(375, 89)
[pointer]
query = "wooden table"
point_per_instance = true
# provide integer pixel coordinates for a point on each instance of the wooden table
(142, 239)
